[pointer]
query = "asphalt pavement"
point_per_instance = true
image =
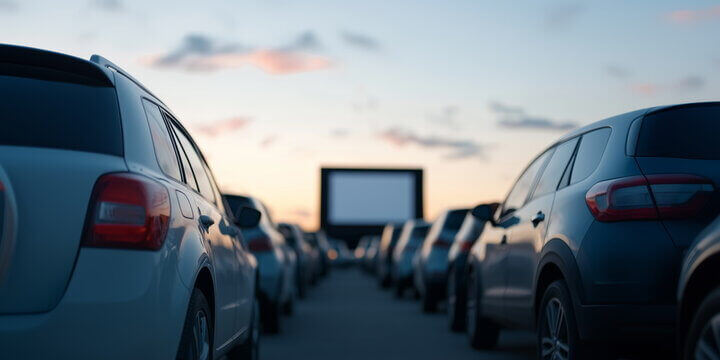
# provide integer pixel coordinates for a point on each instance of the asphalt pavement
(348, 317)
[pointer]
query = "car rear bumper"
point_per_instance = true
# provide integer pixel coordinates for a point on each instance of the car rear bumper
(620, 324)
(118, 305)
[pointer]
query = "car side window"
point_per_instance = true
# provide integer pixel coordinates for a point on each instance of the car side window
(187, 170)
(164, 148)
(197, 166)
(592, 147)
(555, 168)
(520, 191)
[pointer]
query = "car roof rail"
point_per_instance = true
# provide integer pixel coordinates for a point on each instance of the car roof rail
(110, 65)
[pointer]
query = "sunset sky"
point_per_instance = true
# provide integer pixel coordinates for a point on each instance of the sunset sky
(468, 90)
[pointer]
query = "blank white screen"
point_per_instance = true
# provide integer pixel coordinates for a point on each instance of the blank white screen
(368, 198)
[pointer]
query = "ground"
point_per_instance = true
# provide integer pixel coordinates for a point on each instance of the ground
(348, 317)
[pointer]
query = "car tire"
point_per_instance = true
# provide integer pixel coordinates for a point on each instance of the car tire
(196, 342)
(270, 317)
(557, 332)
(429, 301)
(482, 332)
(250, 348)
(456, 304)
(701, 328)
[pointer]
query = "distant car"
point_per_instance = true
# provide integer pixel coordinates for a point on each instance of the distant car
(340, 254)
(114, 240)
(593, 233)
(371, 254)
(388, 240)
(699, 297)
(319, 241)
(362, 247)
(469, 232)
(431, 265)
(306, 267)
(411, 239)
(276, 263)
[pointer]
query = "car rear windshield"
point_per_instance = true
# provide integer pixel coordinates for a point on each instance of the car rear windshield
(71, 115)
(455, 219)
(687, 132)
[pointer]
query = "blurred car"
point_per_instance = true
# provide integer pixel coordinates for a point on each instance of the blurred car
(411, 239)
(469, 232)
(319, 241)
(699, 297)
(593, 232)
(340, 255)
(430, 268)
(276, 263)
(362, 247)
(388, 240)
(112, 230)
(370, 258)
(306, 260)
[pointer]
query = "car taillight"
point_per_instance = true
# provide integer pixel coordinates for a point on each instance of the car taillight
(650, 197)
(442, 243)
(260, 244)
(465, 246)
(128, 211)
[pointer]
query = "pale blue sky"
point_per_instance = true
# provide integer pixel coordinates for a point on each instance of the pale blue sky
(407, 83)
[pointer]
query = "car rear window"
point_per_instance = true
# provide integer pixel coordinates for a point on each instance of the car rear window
(688, 132)
(455, 219)
(69, 115)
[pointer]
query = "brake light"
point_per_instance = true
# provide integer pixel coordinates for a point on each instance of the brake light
(465, 246)
(442, 243)
(128, 211)
(649, 197)
(260, 244)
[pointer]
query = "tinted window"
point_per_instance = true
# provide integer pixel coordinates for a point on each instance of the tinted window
(236, 202)
(519, 193)
(555, 168)
(59, 115)
(419, 233)
(187, 170)
(198, 168)
(455, 219)
(592, 147)
(687, 132)
(164, 150)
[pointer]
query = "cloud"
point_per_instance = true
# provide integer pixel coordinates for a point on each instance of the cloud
(618, 71)
(645, 88)
(515, 117)
(301, 212)
(9, 5)
(562, 16)
(108, 5)
(360, 41)
(201, 53)
(268, 141)
(683, 17)
(340, 133)
(447, 116)
(223, 127)
(685, 84)
(690, 83)
(459, 148)
(366, 104)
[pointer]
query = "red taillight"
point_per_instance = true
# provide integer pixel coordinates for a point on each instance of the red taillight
(442, 243)
(649, 197)
(465, 246)
(128, 211)
(260, 244)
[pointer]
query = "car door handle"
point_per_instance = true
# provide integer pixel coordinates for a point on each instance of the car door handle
(538, 218)
(206, 221)
(503, 241)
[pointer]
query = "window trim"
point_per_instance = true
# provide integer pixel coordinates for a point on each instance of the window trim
(143, 100)
(503, 216)
(577, 150)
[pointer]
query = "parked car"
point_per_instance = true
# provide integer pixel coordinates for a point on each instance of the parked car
(431, 265)
(276, 263)
(305, 265)
(388, 240)
(411, 239)
(114, 231)
(469, 232)
(340, 254)
(370, 258)
(593, 231)
(699, 297)
(362, 247)
(319, 241)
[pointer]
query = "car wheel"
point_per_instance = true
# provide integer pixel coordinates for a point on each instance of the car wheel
(702, 341)
(196, 342)
(482, 332)
(250, 348)
(456, 304)
(429, 300)
(270, 316)
(557, 333)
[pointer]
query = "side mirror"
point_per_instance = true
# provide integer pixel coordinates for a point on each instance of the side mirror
(483, 212)
(247, 217)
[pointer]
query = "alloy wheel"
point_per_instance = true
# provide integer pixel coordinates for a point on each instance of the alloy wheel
(554, 332)
(708, 344)
(201, 337)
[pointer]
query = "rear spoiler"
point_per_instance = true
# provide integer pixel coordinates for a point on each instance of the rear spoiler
(105, 63)
(48, 65)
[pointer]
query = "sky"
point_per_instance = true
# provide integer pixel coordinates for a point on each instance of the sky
(470, 91)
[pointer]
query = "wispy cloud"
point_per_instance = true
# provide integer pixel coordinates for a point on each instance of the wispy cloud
(459, 148)
(367, 103)
(301, 213)
(361, 41)
(515, 117)
(340, 133)
(690, 83)
(687, 16)
(202, 53)
(645, 88)
(686, 84)
(447, 116)
(618, 72)
(268, 141)
(223, 127)
(9, 5)
(562, 16)
(108, 5)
